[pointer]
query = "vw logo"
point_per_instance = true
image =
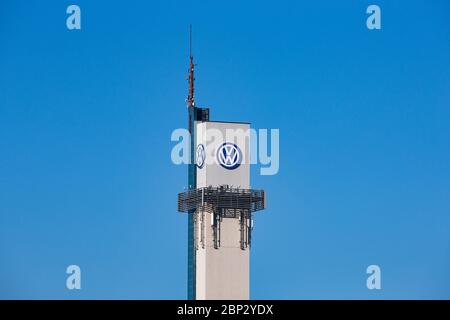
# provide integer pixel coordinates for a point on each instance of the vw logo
(200, 156)
(229, 156)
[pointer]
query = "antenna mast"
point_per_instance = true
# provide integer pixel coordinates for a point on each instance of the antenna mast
(190, 98)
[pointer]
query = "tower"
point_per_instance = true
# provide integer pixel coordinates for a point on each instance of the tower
(219, 203)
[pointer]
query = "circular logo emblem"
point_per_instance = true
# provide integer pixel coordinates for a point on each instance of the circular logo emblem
(200, 156)
(229, 156)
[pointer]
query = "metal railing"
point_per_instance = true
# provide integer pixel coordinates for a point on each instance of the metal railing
(222, 197)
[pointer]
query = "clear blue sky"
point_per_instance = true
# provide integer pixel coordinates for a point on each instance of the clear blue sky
(364, 118)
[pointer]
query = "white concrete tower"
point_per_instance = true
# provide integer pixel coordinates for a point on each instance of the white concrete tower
(223, 203)
(219, 202)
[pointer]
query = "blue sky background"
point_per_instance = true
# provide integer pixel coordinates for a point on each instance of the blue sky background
(364, 118)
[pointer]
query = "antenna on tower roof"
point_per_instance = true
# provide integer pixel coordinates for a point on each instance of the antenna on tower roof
(190, 98)
(190, 40)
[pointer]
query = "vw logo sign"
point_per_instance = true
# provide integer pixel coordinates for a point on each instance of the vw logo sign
(200, 156)
(229, 156)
